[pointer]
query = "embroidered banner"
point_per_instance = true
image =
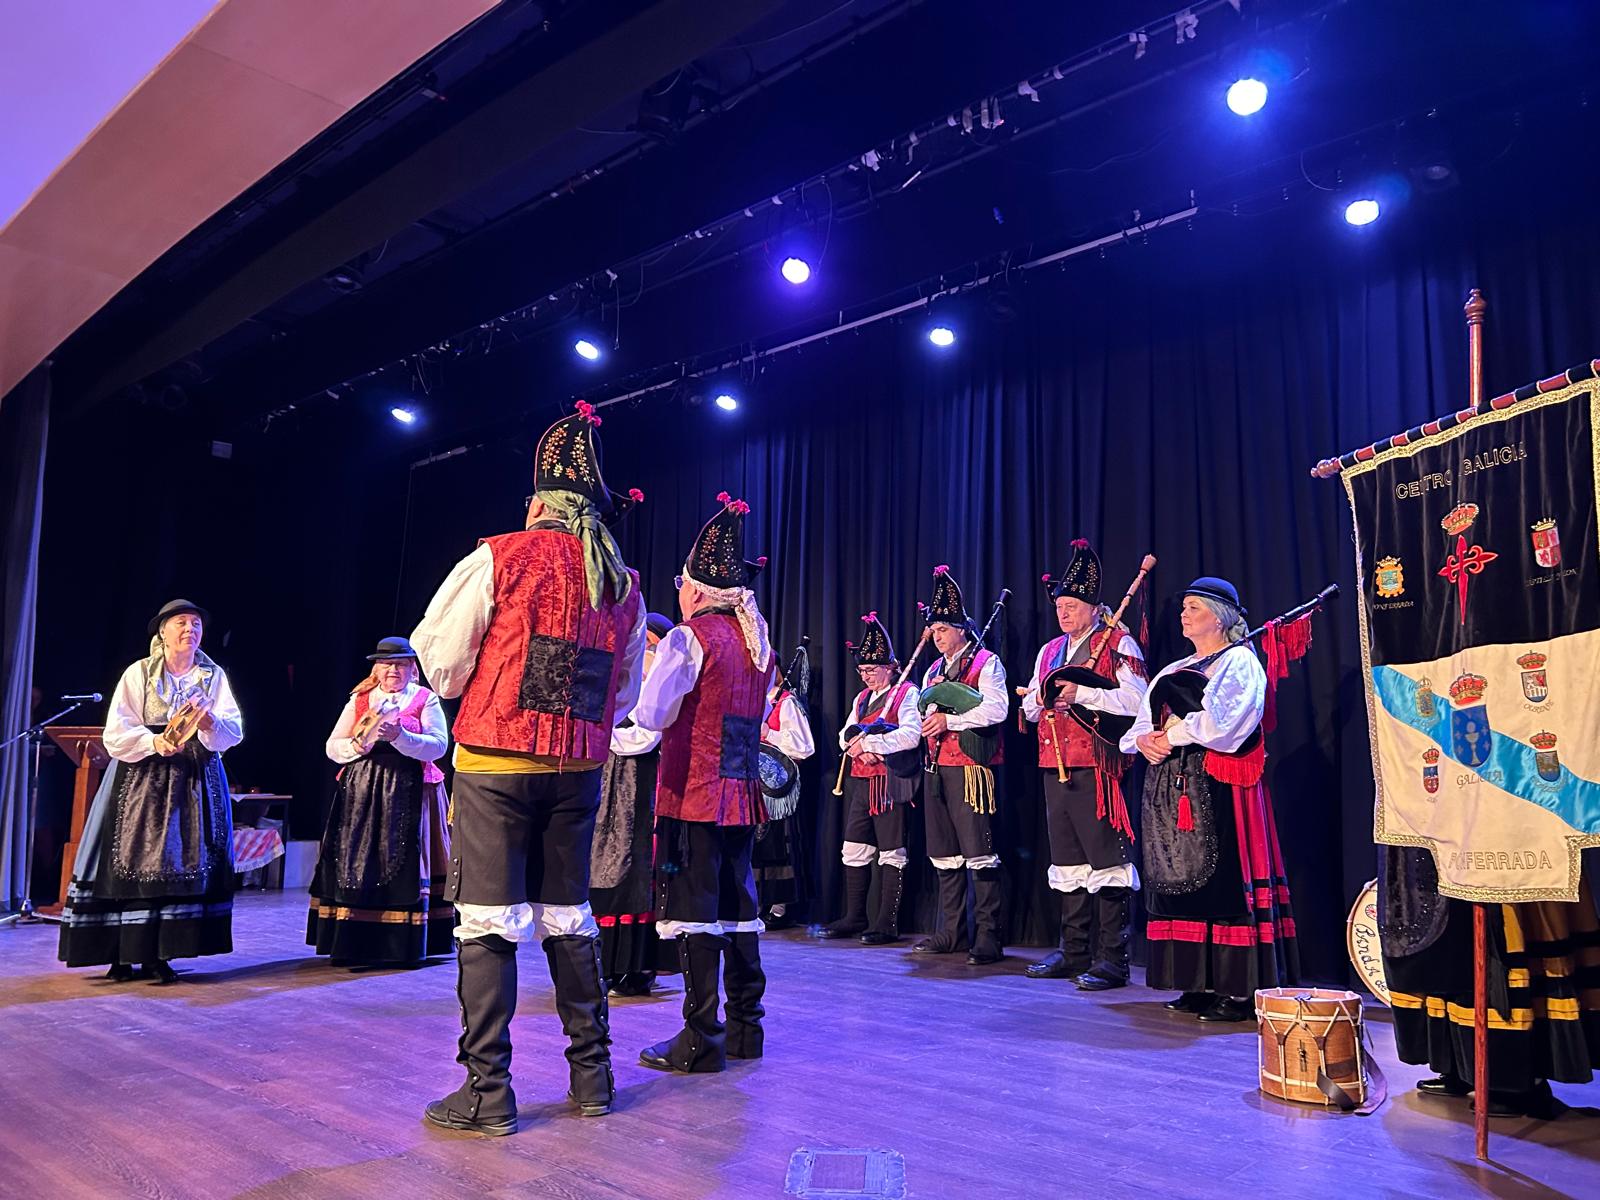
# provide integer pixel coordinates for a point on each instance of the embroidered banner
(1480, 642)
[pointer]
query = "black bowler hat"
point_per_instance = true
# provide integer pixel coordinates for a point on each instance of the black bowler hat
(1215, 589)
(392, 647)
(171, 609)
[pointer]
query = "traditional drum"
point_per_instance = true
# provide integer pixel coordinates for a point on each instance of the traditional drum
(1312, 1050)
(1362, 942)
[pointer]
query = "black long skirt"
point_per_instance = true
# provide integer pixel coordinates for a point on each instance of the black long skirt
(621, 872)
(377, 895)
(153, 879)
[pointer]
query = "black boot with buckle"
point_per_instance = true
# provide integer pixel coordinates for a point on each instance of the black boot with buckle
(581, 1005)
(487, 989)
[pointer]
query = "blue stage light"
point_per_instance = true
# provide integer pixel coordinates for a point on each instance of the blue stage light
(586, 349)
(404, 415)
(1247, 96)
(726, 402)
(796, 270)
(1361, 212)
(942, 336)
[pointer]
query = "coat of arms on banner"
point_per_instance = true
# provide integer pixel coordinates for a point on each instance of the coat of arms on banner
(1390, 578)
(1534, 684)
(1546, 543)
(1460, 567)
(1545, 757)
(1424, 699)
(1430, 769)
(1470, 735)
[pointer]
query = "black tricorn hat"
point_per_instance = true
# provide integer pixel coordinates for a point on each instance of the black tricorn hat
(717, 559)
(567, 458)
(622, 503)
(947, 605)
(171, 609)
(875, 649)
(1081, 579)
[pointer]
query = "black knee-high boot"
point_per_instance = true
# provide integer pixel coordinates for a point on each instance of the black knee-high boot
(487, 989)
(886, 925)
(1112, 908)
(986, 898)
(701, 1045)
(745, 984)
(581, 1005)
(1072, 958)
(952, 935)
(856, 882)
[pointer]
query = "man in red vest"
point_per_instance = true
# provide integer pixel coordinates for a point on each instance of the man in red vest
(881, 738)
(1085, 812)
(708, 694)
(963, 750)
(541, 634)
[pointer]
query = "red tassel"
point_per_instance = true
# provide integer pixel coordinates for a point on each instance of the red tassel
(1185, 814)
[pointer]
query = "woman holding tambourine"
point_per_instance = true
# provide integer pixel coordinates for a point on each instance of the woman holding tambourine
(377, 894)
(153, 879)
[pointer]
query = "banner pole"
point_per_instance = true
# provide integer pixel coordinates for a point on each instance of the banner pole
(1475, 309)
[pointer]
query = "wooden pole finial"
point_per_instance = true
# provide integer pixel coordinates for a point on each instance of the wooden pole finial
(1475, 308)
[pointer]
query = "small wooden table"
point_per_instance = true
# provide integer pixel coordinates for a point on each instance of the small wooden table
(250, 807)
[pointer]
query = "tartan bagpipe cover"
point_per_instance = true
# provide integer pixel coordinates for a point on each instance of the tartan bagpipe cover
(1476, 547)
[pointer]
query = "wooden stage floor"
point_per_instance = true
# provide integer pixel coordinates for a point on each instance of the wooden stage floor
(269, 1073)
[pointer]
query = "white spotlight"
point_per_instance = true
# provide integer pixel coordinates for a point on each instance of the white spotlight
(1247, 96)
(586, 349)
(726, 402)
(796, 270)
(404, 415)
(942, 336)
(1361, 212)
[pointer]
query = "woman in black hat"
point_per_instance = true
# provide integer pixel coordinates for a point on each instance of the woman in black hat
(1220, 924)
(153, 878)
(378, 892)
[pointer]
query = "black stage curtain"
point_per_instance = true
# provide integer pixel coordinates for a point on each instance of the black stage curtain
(1168, 398)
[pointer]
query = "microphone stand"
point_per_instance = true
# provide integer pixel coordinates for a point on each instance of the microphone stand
(27, 915)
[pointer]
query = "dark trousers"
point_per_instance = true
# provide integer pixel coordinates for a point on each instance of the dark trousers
(954, 828)
(519, 839)
(885, 830)
(1077, 835)
(703, 873)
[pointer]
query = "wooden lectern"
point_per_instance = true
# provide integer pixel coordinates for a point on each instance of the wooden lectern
(81, 744)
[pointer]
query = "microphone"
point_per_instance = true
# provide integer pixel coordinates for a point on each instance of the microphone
(88, 698)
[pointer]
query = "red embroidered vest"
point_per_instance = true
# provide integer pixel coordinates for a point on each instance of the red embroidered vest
(709, 756)
(410, 719)
(947, 747)
(1054, 726)
(887, 709)
(549, 668)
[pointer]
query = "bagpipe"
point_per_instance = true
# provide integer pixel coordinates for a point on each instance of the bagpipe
(780, 774)
(1181, 692)
(1108, 727)
(855, 731)
(952, 696)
